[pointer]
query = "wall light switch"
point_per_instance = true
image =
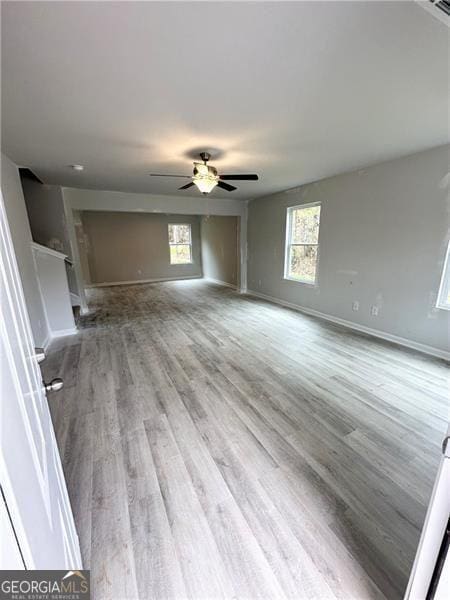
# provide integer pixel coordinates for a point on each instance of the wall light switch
(355, 305)
(374, 311)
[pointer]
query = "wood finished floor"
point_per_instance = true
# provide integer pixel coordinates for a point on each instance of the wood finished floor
(218, 446)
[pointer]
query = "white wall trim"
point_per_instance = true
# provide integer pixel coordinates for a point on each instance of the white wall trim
(58, 334)
(46, 250)
(63, 332)
(355, 326)
(137, 281)
(219, 282)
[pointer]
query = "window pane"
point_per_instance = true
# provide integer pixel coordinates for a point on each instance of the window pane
(179, 234)
(180, 254)
(303, 262)
(305, 225)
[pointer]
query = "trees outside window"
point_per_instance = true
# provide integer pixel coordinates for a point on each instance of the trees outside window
(302, 243)
(180, 244)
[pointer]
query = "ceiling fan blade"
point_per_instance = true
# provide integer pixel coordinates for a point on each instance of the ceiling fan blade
(226, 186)
(165, 175)
(245, 177)
(188, 185)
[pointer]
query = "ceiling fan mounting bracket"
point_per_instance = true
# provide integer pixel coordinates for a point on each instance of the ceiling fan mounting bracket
(205, 156)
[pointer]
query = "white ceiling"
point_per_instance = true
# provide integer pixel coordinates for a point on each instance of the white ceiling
(294, 91)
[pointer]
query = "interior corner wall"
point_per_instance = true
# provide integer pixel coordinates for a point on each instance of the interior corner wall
(383, 237)
(124, 247)
(21, 238)
(219, 239)
(46, 214)
(82, 243)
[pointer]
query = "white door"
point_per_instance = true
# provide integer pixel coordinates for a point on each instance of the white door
(433, 532)
(31, 478)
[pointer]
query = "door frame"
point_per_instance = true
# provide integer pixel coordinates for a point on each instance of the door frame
(433, 531)
(12, 293)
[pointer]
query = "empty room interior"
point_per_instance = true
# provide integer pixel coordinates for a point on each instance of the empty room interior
(225, 299)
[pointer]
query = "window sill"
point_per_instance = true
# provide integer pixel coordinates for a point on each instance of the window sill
(302, 281)
(443, 306)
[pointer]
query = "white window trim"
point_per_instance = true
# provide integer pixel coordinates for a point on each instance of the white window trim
(287, 244)
(444, 286)
(191, 262)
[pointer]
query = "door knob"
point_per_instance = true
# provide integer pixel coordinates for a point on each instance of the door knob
(54, 386)
(39, 354)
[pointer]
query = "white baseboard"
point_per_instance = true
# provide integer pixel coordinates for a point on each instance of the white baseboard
(356, 327)
(53, 335)
(219, 282)
(63, 332)
(137, 281)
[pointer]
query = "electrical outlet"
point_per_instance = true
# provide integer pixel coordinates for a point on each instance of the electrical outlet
(374, 311)
(355, 305)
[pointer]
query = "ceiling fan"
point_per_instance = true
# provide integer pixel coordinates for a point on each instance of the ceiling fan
(206, 178)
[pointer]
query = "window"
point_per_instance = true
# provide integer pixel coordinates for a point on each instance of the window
(180, 244)
(302, 243)
(443, 300)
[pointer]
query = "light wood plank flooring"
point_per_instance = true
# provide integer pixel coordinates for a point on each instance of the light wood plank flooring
(218, 446)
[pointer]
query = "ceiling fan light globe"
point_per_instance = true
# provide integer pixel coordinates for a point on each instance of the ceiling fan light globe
(201, 169)
(205, 184)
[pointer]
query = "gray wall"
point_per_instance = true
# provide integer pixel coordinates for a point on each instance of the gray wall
(383, 236)
(45, 208)
(46, 215)
(124, 246)
(83, 244)
(21, 239)
(219, 239)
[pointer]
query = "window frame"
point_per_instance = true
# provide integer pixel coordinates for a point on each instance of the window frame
(179, 264)
(287, 245)
(444, 286)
